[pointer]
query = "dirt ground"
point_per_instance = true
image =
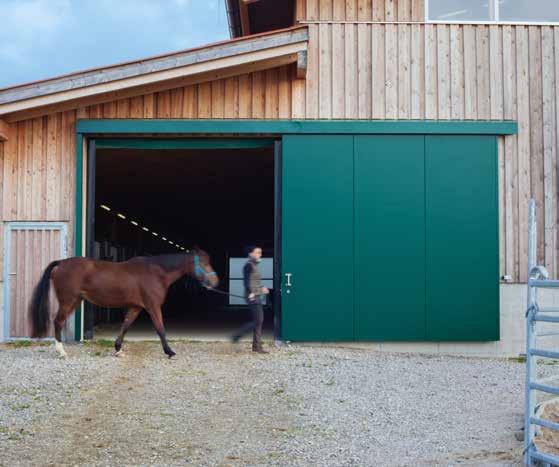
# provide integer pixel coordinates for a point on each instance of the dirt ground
(218, 405)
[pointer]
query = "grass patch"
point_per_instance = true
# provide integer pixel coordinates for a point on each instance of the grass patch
(27, 343)
(19, 407)
(16, 436)
(22, 343)
(106, 343)
(519, 359)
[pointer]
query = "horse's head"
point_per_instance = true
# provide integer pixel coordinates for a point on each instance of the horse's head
(203, 270)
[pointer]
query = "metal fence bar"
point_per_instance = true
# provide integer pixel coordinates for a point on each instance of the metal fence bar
(547, 319)
(553, 460)
(547, 334)
(543, 284)
(545, 353)
(544, 388)
(549, 309)
(545, 423)
(537, 278)
(530, 396)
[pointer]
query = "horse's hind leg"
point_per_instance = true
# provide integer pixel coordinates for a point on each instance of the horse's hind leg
(157, 319)
(64, 311)
(130, 317)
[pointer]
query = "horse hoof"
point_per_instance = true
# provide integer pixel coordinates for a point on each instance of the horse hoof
(171, 355)
(120, 353)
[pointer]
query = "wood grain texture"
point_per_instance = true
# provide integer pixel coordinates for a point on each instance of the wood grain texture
(362, 10)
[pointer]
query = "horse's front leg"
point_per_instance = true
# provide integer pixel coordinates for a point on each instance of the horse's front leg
(130, 317)
(157, 319)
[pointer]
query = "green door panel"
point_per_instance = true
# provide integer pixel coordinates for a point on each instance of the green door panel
(390, 238)
(462, 238)
(317, 238)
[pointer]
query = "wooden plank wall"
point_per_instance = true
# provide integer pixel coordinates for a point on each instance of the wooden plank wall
(38, 170)
(263, 94)
(361, 10)
(460, 72)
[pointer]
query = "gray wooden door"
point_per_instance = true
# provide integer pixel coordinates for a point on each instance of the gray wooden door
(28, 248)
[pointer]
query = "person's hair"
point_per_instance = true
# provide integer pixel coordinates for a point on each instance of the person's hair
(250, 248)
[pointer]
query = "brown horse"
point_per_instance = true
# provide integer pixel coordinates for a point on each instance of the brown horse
(137, 284)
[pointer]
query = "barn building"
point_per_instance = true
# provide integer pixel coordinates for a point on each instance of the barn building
(384, 150)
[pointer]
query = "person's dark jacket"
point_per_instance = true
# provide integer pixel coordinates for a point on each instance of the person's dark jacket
(252, 278)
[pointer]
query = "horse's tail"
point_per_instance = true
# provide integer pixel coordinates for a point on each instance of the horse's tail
(39, 306)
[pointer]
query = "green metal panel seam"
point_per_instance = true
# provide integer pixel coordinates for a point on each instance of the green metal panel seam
(263, 127)
(78, 224)
(425, 233)
(355, 230)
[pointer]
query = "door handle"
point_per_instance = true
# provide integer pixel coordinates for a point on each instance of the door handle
(288, 277)
(288, 283)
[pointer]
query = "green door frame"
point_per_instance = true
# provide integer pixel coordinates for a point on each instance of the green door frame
(203, 133)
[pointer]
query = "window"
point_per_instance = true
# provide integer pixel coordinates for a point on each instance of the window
(460, 10)
(504, 11)
(546, 11)
(236, 285)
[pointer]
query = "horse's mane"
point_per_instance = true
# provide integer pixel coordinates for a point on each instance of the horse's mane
(169, 262)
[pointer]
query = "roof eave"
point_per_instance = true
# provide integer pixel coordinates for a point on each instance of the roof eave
(251, 53)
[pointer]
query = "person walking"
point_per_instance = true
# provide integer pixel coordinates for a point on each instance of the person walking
(253, 291)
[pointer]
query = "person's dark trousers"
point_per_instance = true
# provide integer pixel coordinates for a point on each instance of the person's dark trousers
(255, 325)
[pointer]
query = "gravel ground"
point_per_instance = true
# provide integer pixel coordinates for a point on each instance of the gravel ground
(218, 405)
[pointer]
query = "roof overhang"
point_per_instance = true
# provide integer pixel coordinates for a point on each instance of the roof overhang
(215, 61)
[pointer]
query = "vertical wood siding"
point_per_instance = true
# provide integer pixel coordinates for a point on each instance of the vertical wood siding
(362, 10)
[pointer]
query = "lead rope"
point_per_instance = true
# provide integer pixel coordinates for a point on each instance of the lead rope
(222, 292)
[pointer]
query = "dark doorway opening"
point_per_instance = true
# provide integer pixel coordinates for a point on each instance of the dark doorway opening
(156, 201)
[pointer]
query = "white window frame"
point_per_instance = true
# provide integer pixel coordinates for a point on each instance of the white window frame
(234, 301)
(495, 8)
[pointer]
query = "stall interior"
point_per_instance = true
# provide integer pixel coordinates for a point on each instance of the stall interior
(160, 201)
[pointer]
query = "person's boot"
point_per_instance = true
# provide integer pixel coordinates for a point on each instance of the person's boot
(257, 347)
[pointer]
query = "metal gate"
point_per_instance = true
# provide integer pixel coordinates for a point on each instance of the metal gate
(538, 278)
(28, 248)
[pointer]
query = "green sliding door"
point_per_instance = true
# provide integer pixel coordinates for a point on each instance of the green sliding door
(390, 238)
(317, 238)
(462, 238)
